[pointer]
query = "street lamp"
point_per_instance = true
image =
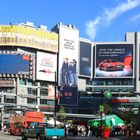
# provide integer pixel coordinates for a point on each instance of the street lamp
(101, 108)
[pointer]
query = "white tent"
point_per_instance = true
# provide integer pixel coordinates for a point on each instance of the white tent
(52, 122)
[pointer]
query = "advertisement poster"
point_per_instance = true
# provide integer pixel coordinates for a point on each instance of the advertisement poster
(14, 64)
(20, 36)
(68, 56)
(69, 96)
(85, 59)
(46, 66)
(114, 60)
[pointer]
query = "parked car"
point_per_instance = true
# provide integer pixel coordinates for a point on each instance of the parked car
(43, 131)
(111, 65)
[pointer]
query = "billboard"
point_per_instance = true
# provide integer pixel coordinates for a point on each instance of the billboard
(14, 64)
(85, 59)
(68, 96)
(46, 66)
(114, 60)
(68, 56)
(31, 37)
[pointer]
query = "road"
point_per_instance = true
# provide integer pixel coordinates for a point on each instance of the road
(10, 137)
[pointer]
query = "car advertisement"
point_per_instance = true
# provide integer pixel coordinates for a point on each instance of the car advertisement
(68, 56)
(114, 60)
(68, 96)
(14, 64)
(46, 66)
(85, 59)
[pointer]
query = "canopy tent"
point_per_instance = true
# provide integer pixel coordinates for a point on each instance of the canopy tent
(109, 120)
(52, 122)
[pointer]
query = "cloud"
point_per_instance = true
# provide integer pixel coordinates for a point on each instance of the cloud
(91, 27)
(108, 15)
(137, 17)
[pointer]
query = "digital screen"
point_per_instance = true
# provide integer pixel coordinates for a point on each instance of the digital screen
(14, 64)
(68, 96)
(114, 60)
(85, 59)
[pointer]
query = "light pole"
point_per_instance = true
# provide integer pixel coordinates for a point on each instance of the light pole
(102, 108)
(55, 101)
(107, 95)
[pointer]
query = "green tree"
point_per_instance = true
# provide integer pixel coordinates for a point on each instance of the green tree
(62, 114)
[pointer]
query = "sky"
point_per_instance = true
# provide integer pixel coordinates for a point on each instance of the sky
(97, 20)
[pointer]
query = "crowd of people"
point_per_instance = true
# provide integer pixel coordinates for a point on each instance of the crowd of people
(86, 130)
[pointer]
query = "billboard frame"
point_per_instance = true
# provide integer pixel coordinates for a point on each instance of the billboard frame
(115, 43)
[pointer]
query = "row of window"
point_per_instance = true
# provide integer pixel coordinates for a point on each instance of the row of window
(29, 101)
(110, 82)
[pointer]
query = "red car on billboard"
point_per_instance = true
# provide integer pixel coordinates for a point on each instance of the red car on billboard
(111, 65)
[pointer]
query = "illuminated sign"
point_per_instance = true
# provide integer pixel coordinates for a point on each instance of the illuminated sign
(14, 64)
(69, 96)
(114, 61)
(85, 59)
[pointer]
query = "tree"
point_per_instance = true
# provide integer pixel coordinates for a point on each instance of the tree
(62, 115)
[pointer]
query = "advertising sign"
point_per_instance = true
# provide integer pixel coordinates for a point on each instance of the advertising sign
(14, 64)
(69, 96)
(31, 37)
(85, 59)
(114, 60)
(7, 82)
(68, 56)
(46, 66)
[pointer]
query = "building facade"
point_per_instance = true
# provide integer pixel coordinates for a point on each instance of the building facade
(30, 58)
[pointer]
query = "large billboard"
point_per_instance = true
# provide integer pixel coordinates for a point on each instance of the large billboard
(85, 59)
(30, 37)
(68, 96)
(46, 67)
(114, 60)
(68, 56)
(14, 64)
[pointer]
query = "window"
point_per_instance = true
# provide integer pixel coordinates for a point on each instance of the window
(43, 92)
(32, 91)
(22, 82)
(43, 101)
(9, 99)
(31, 100)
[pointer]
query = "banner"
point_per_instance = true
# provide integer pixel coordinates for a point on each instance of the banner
(68, 56)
